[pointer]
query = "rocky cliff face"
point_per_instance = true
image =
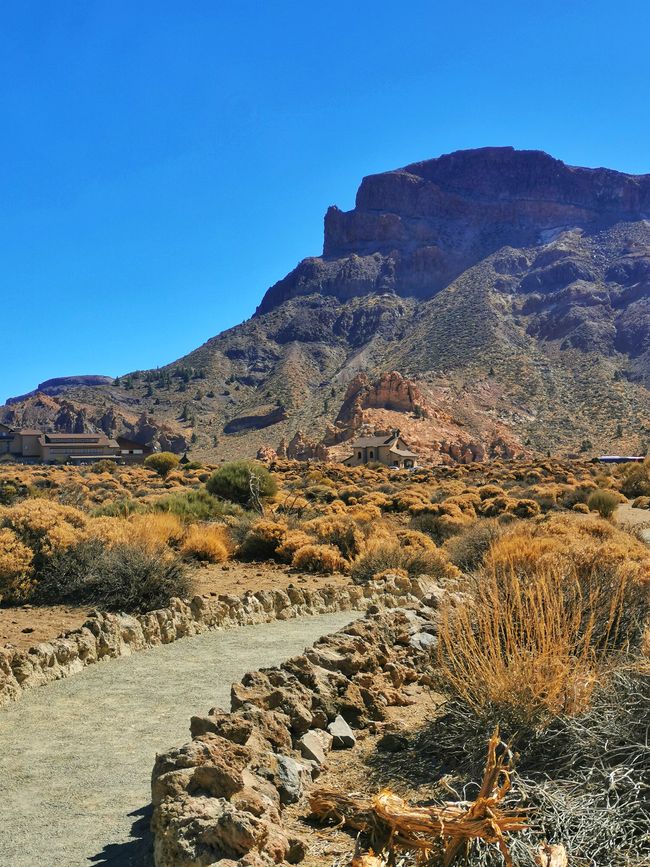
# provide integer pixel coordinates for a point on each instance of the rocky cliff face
(486, 302)
(416, 229)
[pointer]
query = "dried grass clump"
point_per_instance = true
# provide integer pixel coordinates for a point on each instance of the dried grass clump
(156, 530)
(205, 542)
(524, 650)
(388, 557)
(522, 552)
(581, 508)
(325, 559)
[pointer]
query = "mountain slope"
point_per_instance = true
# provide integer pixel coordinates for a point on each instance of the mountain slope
(512, 289)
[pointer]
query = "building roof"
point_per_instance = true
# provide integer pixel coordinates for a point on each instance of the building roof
(125, 442)
(368, 442)
(76, 438)
(404, 453)
(26, 432)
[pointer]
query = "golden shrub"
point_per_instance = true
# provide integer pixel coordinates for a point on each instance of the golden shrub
(262, 540)
(494, 506)
(342, 532)
(467, 503)
(43, 525)
(364, 514)
(15, 566)
(489, 492)
(320, 558)
(414, 539)
(206, 542)
(111, 531)
(525, 508)
(293, 540)
(583, 508)
(155, 530)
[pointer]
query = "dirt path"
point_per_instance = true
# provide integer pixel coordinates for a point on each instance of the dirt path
(76, 755)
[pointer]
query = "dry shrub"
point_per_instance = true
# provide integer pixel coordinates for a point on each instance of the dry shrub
(381, 557)
(293, 540)
(604, 502)
(578, 493)
(641, 503)
(524, 651)
(205, 542)
(468, 503)
(489, 492)
(364, 514)
(522, 552)
(415, 540)
(109, 530)
(581, 508)
(44, 526)
(441, 522)
(156, 530)
(468, 550)
(320, 558)
(342, 532)
(525, 508)
(15, 566)
(262, 540)
(495, 506)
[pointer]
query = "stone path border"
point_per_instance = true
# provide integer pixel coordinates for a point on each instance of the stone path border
(107, 636)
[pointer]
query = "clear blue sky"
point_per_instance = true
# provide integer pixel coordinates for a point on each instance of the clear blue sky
(162, 163)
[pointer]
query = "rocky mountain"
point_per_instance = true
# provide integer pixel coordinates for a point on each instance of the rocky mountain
(487, 302)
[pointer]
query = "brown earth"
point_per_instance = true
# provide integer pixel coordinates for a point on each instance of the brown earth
(366, 770)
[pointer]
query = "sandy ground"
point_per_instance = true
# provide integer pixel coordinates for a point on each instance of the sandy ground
(26, 625)
(631, 518)
(76, 755)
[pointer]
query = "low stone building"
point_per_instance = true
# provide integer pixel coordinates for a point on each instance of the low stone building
(34, 446)
(390, 450)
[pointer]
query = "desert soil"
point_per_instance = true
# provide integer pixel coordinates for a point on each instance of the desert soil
(366, 770)
(76, 755)
(26, 625)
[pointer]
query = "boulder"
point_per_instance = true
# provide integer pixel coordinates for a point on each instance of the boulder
(342, 735)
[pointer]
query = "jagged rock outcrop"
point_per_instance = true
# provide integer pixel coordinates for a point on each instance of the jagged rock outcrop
(301, 448)
(264, 417)
(391, 391)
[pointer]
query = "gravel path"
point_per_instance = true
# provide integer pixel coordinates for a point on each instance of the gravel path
(76, 755)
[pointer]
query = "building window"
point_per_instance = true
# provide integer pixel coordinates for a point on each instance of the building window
(372, 454)
(359, 455)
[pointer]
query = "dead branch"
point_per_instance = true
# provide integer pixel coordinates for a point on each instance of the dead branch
(391, 823)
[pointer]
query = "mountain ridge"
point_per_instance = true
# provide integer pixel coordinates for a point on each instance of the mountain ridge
(520, 321)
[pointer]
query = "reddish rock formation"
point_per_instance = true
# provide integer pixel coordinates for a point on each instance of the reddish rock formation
(391, 391)
(301, 448)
